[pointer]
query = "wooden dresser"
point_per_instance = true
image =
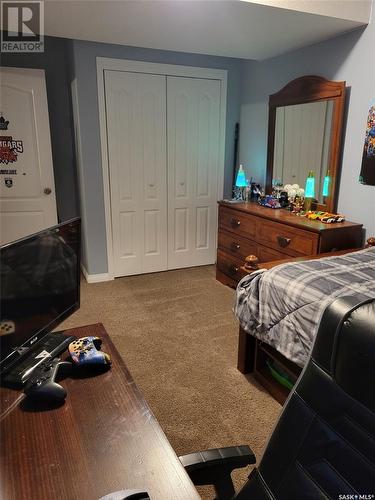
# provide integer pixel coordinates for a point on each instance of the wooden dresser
(248, 228)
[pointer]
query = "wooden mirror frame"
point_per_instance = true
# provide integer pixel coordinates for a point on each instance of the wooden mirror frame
(310, 89)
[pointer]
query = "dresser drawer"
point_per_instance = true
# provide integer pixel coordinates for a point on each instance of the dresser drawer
(229, 265)
(265, 254)
(237, 222)
(236, 245)
(286, 240)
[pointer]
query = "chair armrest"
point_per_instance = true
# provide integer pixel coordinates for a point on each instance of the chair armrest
(215, 466)
(233, 457)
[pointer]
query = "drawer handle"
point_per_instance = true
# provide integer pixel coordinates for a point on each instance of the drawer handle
(235, 222)
(235, 246)
(233, 269)
(283, 241)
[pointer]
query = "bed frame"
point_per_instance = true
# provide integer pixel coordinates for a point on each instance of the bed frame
(252, 352)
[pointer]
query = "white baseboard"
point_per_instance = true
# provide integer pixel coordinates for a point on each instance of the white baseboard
(95, 278)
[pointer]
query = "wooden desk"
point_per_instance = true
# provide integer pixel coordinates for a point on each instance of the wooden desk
(103, 439)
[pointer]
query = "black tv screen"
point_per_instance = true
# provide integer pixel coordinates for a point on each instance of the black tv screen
(40, 287)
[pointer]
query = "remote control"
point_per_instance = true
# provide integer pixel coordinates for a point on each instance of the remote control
(42, 386)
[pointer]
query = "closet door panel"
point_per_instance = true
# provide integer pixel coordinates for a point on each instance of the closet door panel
(193, 125)
(153, 171)
(121, 107)
(136, 136)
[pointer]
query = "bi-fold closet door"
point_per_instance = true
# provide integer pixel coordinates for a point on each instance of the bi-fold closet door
(136, 138)
(163, 137)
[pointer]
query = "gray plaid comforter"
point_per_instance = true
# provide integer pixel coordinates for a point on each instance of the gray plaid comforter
(283, 306)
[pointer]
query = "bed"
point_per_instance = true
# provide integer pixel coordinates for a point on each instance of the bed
(281, 307)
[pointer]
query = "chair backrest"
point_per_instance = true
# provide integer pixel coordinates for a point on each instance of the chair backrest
(323, 445)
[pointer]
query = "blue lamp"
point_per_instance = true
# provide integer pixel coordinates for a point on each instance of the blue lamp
(326, 182)
(241, 178)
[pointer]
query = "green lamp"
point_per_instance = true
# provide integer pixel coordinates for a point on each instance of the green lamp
(326, 182)
(309, 190)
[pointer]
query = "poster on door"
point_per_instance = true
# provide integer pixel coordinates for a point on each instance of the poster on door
(367, 175)
(10, 149)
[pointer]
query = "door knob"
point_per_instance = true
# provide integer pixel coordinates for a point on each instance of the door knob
(47, 191)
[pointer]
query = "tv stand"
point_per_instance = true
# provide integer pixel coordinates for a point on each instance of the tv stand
(51, 345)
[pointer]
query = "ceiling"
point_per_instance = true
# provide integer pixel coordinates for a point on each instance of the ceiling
(236, 28)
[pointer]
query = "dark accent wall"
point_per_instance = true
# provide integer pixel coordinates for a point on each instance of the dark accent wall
(55, 62)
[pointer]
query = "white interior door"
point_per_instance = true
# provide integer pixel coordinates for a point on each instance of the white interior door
(27, 190)
(193, 131)
(136, 138)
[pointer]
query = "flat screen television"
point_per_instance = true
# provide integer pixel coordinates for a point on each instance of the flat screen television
(40, 287)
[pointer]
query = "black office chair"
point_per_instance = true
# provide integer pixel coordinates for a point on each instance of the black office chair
(323, 446)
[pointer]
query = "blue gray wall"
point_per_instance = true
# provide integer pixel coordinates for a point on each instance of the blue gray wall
(84, 70)
(349, 57)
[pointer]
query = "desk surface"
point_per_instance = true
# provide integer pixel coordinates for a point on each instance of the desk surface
(103, 439)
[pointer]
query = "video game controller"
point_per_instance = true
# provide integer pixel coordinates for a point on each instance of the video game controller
(85, 351)
(42, 387)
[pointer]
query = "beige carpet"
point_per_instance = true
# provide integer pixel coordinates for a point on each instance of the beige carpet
(178, 336)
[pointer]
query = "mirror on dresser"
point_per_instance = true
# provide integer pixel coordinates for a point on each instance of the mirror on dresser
(304, 134)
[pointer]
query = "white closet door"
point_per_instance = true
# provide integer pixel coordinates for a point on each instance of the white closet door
(136, 135)
(193, 124)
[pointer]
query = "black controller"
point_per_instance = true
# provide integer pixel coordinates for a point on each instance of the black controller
(42, 387)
